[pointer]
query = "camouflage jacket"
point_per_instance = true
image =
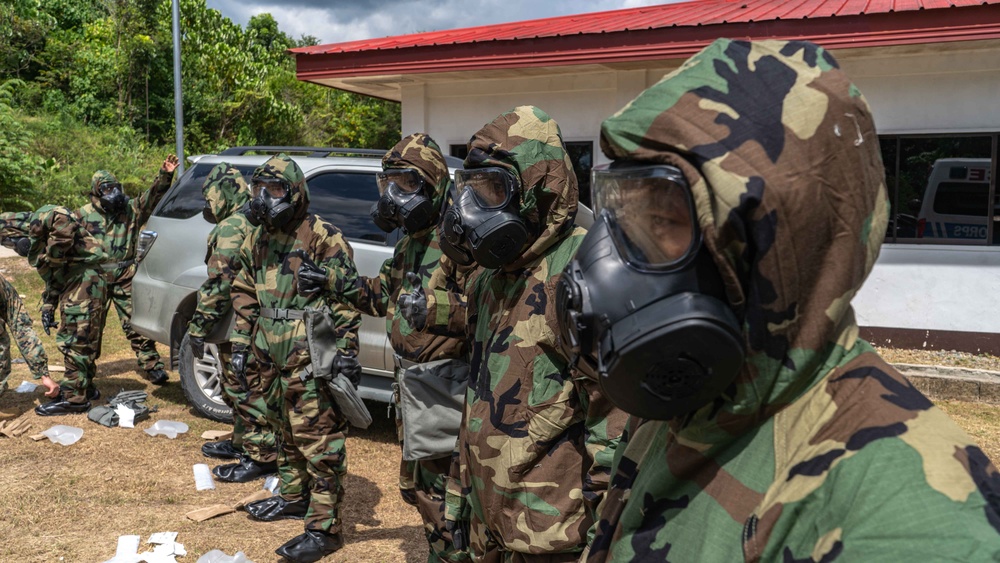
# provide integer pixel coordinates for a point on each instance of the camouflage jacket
(226, 192)
(267, 279)
(117, 236)
(60, 247)
(820, 451)
(419, 253)
(537, 441)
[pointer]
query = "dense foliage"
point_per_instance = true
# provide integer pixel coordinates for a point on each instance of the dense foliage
(87, 84)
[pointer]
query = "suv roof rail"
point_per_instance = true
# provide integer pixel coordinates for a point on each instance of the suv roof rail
(318, 152)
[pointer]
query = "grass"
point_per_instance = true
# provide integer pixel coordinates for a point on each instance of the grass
(71, 503)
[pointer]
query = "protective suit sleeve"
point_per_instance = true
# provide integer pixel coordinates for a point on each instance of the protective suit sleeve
(604, 426)
(369, 296)
(148, 199)
(215, 294)
(244, 295)
(338, 259)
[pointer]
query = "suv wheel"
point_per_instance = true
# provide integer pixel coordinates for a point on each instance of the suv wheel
(201, 381)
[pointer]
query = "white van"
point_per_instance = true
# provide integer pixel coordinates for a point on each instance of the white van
(955, 204)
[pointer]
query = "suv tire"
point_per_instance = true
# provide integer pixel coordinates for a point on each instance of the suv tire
(201, 382)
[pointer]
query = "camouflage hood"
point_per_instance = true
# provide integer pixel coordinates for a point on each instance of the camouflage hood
(100, 177)
(791, 203)
(282, 166)
(225, 190)
(526, 141)
(420, 152)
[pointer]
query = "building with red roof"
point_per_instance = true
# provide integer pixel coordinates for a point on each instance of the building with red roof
(929, 68)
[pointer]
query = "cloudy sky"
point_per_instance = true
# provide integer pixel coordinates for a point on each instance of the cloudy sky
(335, 21)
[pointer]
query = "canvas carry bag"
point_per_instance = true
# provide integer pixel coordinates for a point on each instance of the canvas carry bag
(431, 397)
(106, 415)
(322, 351)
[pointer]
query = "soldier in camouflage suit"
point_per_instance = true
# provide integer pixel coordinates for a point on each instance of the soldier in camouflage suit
(537, 441)
(422, 483)
(819, 451)
(312, 459)
(118, 232)
(14, 320)
(252, 444)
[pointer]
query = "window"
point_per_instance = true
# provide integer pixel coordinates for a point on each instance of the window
(459, 151)
(581, 154)
(185, 200)
(940, 188)
(345, 199)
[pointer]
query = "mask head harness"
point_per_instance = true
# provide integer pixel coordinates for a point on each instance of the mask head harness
(271, 202)
(642, 307)
(483, 224)
(403, 201)
(113, 198)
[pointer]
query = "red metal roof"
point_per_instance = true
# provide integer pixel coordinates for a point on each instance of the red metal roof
(664, 31)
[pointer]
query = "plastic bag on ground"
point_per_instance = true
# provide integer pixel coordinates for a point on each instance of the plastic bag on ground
(26, 387)
(65, 435)
(218, 556)
(168, 428)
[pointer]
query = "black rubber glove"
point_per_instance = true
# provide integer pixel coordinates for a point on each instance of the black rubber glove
(349, 366)
(311, 278)
(197, 346)
(413, 306)
(459, 533)
(22, 246)
(49, 319)
(238, 364)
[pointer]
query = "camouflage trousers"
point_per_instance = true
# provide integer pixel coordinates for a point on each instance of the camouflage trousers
(311, 434)
(79, 338)
(423, 484)
(16, 322)
(120, 295)
(251, 430)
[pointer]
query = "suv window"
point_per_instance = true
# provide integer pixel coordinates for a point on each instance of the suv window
(185, 200)
(962, 198)
(345, 199)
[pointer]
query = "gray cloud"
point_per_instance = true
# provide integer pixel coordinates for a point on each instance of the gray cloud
(349, 20)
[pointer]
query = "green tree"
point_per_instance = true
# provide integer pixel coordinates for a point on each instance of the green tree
(18, 166)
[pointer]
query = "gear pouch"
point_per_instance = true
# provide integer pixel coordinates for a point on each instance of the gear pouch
(431, 397)
(322, 350)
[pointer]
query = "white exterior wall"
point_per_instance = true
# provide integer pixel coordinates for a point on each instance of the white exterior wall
(924, 90)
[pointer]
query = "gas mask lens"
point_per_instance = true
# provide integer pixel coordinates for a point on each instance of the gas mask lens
(492, 186)
(651, 212)
(274, 187)
(107, 188)
(407, 180)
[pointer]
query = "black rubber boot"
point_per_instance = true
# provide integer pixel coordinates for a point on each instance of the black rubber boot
(223, 449)
(277, 508)
(93, 393)
(60, 406)
(156, 376)
(244, 471)
(310, 546)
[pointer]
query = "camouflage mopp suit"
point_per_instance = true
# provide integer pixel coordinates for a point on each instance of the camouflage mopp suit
(820, 450)
(423, 482)
(226, 192)
(537, 440)
(312, 459)
(118, 236)
(14, 321)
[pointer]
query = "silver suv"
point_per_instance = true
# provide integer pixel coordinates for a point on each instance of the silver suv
(172, 261)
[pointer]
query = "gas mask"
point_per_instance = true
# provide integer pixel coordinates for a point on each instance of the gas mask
(271, 204)
(483, 224)
(208, 214)
(113, 199)
(403, 201)
(642, 305)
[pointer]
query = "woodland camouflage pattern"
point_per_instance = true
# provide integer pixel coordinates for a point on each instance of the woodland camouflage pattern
(90, 301)
(66, 257)
(226, 191)
(537, 441)
(312, 460)
(14, 320)
(422, 483)
(819, 451)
